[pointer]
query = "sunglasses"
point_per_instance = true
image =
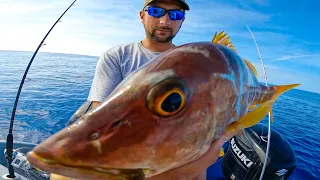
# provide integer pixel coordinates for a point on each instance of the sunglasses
(158, 12)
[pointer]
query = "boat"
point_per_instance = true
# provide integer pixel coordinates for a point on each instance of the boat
(243, 159)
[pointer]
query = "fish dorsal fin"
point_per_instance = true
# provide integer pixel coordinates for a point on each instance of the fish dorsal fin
(223, 39)
(251, 67)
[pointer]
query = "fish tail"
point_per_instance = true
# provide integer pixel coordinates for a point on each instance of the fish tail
(256, 115)
(283, 88)
(280, 90)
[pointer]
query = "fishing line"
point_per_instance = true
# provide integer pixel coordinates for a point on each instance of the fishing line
(269, 121)
(9, 143)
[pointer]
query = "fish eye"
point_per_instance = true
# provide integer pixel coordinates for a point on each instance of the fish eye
(167, 98)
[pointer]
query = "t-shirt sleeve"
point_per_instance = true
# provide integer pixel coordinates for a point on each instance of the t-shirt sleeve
(106, 78)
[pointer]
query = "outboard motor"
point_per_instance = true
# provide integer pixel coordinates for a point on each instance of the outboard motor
(246, 153)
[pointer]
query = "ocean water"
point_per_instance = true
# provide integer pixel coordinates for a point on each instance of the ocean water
(57, 84)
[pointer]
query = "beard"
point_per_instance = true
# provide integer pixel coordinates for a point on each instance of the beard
(159, 39)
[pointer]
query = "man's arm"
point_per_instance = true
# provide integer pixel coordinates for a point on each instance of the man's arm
(95, 104)
(106, 78)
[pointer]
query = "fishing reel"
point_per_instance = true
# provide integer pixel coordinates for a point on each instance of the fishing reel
(22, 167)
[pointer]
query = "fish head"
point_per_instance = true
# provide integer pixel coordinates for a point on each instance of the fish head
(164, 115)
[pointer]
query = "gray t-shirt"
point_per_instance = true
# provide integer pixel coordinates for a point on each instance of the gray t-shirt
(114, 65)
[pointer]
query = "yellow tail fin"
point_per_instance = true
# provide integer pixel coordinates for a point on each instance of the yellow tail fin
(280, 90)
(257, 114)
(283, 88)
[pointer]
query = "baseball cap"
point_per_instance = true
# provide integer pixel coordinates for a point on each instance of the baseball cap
(183, 3)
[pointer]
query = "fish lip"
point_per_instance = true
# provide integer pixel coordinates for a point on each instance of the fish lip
(81, 171)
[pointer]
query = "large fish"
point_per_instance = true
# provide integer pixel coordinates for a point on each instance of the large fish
(164, 115)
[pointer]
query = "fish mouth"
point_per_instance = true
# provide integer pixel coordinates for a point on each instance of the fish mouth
(84, 172)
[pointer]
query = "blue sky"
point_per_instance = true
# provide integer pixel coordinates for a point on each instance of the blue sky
(286, 31)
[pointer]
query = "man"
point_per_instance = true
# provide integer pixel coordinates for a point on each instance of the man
(161, 26)
(118, 62)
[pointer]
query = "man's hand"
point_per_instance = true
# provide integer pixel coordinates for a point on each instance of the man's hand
(196, 170)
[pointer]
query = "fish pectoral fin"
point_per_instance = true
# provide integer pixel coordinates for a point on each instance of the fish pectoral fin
(252, 107)
(252, 118)
(221, 152)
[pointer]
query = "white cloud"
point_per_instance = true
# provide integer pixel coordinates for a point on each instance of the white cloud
(90, 27)
(310, 60)
(279, 76)
(249, 3)
(19, 8)
(296, 57)
(93, 26)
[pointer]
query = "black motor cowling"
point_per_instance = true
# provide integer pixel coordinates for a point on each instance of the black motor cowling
(246, 153)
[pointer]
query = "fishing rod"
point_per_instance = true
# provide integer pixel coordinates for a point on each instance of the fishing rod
(9, 144)
(269, 121)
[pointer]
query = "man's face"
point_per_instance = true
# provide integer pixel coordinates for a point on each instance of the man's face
(161, 29)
